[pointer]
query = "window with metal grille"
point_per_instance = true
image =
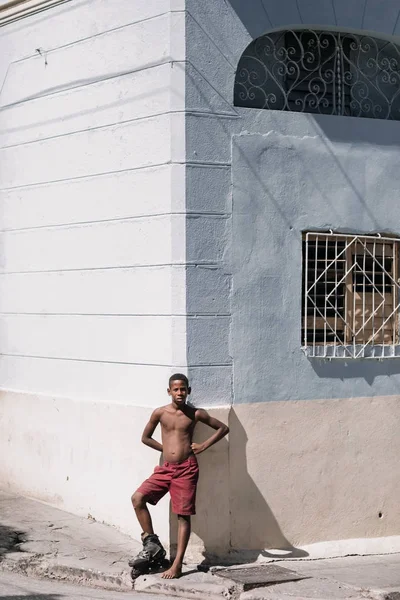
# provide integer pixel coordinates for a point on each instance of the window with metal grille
(350, 291)
(319, 71)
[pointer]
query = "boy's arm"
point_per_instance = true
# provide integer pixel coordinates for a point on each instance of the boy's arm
(221, 430)
(149, 430)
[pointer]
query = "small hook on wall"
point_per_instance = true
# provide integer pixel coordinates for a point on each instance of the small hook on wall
(42, 53)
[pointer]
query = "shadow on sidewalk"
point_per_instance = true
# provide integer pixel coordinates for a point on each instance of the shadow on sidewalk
(32, 596)
(10, 540)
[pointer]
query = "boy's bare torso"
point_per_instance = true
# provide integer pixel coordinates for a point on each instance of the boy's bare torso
(177, 427)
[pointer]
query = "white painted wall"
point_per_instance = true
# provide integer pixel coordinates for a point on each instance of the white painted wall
(92, 247)
(91, 267)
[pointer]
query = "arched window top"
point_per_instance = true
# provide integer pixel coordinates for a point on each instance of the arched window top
(320, 71)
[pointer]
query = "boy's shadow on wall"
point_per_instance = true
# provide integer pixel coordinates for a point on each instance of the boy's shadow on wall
(231, 511)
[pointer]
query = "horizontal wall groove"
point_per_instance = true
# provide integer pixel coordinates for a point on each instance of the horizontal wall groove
(210, 165)
(201, 114)
(209, 264)
(95, 81)
(86, 360)
(92, 175)
(101, 34)
(191, 113)
(206, 163)
(119, 75)
(97, 128)
(82, 269)
(141, 315)
(195, 316)
(208, 114)
(216, 165)
(116, 220)
(111, 362)
(210, 366)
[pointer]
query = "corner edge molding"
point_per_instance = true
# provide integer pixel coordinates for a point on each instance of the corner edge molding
(13, 10)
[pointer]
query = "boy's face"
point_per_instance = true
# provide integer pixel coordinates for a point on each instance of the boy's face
(179, 392)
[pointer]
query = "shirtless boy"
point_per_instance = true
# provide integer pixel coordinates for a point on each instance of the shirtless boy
(179, 472)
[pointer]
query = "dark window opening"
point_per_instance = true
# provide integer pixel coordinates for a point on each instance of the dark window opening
(324, 72)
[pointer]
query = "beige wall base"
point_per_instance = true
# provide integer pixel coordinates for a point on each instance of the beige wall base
(296, 479)
(301, 473)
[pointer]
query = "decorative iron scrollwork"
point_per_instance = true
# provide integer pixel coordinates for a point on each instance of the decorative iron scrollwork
(325, 72)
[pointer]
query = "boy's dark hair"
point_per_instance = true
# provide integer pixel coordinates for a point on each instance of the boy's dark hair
(178, 377)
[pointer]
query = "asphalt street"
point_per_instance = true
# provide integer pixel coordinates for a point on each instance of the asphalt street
(18, 587)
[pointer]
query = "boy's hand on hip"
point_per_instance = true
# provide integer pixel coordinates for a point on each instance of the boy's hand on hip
(197, 448)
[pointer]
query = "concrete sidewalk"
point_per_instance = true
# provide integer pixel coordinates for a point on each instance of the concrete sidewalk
(41, 541)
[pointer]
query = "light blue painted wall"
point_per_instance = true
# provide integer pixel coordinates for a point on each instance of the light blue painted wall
(255, 179)
(259, 15)
(284, 183)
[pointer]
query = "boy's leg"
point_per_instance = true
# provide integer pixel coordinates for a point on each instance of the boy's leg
(152, 548)
(183, 501)
(183, 538)
(142, 512)
(151, 490)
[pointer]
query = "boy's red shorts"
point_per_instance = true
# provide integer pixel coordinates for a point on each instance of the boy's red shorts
(180, 479)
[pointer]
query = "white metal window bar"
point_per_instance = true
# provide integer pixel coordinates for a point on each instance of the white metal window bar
(351, 299)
